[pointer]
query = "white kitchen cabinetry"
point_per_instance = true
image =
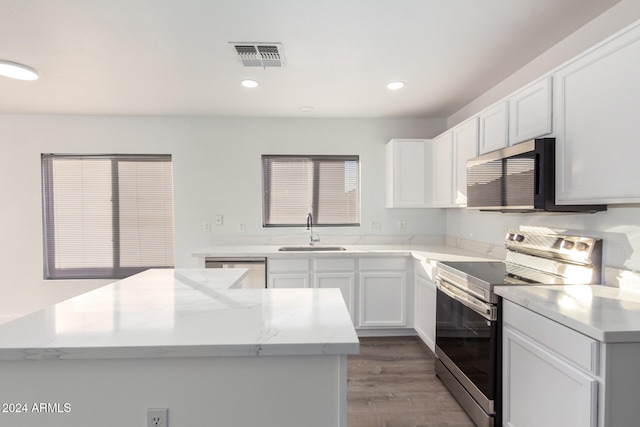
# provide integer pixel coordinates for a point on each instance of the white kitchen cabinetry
(375, 289)
(406, 173)
(554, 376)
(442, 178)
(494, 127)
(541, 389)
(465, 147)
(596, 123)
(337, 273)
(425, 303)
(530, 112)
(382, 292)
(288, 273)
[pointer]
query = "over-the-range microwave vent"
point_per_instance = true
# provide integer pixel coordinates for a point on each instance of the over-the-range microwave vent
(259, 54)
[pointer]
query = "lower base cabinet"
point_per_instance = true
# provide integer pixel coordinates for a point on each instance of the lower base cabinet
(288, 280)
(554, 376)
(425, 310)
(543, 390)
(382, 299)
(375, 289)
(346, 282)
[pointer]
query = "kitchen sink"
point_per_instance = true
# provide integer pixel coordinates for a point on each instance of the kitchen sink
(311, 248)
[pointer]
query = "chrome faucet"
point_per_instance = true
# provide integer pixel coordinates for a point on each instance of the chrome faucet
(312, 239)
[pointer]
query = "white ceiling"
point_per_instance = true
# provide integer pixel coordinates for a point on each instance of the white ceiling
(173, 57)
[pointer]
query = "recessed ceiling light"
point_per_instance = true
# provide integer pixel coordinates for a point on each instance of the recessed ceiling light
(306, 109)
(249, 83)
(395, 85)
(17, 71)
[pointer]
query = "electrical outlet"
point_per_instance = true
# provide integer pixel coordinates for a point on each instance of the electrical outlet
(218, 220)
(242, 226)
(157, 417)
(402, 226)
(206, 226)
(375, 226)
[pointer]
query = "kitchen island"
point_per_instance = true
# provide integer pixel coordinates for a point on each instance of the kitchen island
(185, 340)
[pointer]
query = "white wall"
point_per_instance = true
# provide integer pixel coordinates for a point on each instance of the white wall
(216, 171)
(620, 226)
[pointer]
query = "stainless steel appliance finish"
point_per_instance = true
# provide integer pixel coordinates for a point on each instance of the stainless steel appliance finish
(520, 178)
(257, 277)
(468, 324)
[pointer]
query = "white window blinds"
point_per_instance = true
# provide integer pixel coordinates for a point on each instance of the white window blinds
(326, 186)
(107, 216)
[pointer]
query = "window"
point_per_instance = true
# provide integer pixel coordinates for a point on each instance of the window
(328, 187)
(106, 216)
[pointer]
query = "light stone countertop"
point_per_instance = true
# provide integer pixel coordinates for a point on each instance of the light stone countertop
(605, 313)
(483, 252)
(183, 313)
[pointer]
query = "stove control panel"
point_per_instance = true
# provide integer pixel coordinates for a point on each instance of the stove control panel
(572, 248)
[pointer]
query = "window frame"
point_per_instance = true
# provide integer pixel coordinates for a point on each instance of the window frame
(116, 271)
(314, 212)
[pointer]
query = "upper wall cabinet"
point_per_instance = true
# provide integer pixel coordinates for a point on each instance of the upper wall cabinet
(443, 170)
(596, 106)
(494, 129)
(465, 147)
(406, 169)
(530, 112)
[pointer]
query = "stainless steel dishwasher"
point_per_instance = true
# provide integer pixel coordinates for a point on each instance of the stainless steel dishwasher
(257, 277)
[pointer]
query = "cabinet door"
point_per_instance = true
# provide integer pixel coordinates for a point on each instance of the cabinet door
(494, 129)
(425, 310)
(597, 126)
(530, 112)
(382, 299)
(539, 389)
(465, 147)
(288, 280)
(443, 170)
(343, 281)
(405, 173)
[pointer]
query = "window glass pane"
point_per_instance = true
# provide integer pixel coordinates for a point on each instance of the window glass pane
(326, 186)
(82, 212)
(106, 216)
(146, 213)
(290, 182)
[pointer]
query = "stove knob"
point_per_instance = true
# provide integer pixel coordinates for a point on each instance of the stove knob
(581, 246)
(510, 236)
(568, 244)
(519, 238)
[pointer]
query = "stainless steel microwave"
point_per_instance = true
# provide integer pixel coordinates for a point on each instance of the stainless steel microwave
(520, 178)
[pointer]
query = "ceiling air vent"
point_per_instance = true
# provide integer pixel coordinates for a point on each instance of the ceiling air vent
(260, 54)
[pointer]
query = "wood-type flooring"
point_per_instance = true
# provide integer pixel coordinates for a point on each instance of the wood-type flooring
(392, 383)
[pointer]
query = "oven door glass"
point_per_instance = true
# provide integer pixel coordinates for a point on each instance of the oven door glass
(469, 340)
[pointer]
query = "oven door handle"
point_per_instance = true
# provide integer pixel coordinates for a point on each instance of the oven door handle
(485, 310)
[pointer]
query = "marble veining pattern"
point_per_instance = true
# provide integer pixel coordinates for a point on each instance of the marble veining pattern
(183, 313)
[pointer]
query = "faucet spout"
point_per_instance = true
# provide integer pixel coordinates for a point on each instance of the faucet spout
(312, 239)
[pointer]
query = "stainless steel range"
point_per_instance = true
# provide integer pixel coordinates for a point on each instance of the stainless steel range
(468, 324)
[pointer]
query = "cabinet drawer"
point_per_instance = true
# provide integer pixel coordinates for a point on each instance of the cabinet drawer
(399, 263)
(280, 265)
(335, 264)
(567, 343)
